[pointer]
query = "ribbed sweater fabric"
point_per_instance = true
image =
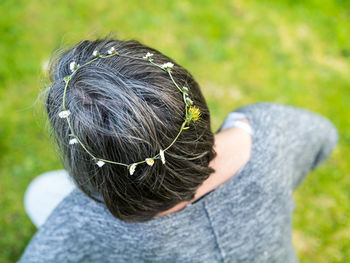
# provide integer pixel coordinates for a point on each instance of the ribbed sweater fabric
(248, 219)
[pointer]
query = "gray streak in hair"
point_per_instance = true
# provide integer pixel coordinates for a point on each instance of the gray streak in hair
(126, 110)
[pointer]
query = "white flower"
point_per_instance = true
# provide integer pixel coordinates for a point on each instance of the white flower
(188, 101)
(132, 168)
(100, 163)
(95, 53)
(64, 114)
(150, 161)
(185, 90)
(111, 51)
(162, 157)
(147, 56)
(45, 66)
(167, 66)
(73, 141)
(73, 66)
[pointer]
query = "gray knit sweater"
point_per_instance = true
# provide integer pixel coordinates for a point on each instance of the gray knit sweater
(247, 219)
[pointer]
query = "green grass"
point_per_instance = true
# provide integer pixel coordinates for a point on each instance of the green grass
(240, 51)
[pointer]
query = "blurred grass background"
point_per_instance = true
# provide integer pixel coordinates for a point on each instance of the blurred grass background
(240, 51)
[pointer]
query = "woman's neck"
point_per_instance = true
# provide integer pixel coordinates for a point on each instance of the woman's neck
(233, 149)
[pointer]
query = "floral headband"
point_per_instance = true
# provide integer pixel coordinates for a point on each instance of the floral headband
(192, 112)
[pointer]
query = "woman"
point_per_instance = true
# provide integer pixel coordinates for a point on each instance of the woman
(154, 184)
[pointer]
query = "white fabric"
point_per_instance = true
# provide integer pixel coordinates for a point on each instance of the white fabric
(44, 193)
(233, 119)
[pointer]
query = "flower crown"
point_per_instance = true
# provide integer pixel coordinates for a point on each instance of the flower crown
(192, 112)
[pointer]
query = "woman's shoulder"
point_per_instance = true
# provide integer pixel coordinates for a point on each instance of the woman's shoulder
(68, 230)
(260, 116)
(297, 139)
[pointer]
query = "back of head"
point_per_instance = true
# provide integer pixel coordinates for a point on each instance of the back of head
(126, 110)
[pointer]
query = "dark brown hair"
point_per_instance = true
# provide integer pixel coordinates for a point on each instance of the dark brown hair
(126, 110)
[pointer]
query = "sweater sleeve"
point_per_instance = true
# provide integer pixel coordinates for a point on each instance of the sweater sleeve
(305, 138)
(64, 237)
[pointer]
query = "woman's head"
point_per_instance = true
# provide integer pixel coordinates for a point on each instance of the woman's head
(126, 110)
